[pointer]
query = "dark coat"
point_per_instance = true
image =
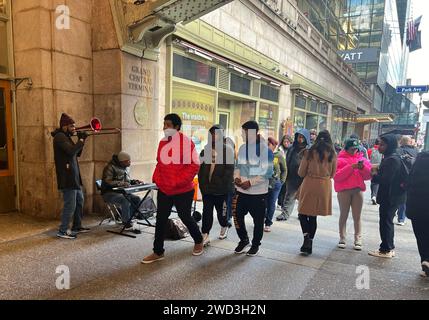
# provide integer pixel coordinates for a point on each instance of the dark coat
(66, 153)
(294, 157)
(409, 150)
(418, 188)
(389, 175)
(114, 175)
(222, 181)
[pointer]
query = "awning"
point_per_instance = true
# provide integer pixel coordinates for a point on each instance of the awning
(368, 118)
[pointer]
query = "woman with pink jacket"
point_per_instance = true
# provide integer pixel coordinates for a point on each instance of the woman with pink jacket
(349, 182)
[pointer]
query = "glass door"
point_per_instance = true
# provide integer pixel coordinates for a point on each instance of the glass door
(7, 176)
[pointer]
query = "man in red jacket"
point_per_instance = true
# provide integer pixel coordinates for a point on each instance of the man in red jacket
(177, 165)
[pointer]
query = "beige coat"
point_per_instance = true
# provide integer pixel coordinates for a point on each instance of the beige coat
(315, 195)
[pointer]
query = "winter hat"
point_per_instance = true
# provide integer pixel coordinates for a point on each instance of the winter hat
(123, 156)
(273, 141)
(351, 143)
(66, 120)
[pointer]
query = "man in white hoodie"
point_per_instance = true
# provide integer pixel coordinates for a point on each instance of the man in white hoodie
(251, 177)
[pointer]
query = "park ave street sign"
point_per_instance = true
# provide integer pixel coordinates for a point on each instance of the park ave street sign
(412, 89)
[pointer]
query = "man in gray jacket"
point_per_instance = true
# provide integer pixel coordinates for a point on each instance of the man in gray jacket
(116, 174)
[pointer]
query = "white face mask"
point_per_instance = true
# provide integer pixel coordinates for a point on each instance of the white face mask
(169, 132)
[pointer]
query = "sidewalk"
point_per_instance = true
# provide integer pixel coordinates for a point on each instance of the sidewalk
(107, 266)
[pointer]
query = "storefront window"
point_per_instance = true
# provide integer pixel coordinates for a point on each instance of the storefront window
(269, 93)
(299, 121)
(240, 84)
(300, 102)
(268, 115)
(193, 70)
(323, 123)
(196, 107)
(311, 121)
(313, 106)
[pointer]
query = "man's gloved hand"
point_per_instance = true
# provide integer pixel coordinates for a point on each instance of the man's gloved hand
(82, 135)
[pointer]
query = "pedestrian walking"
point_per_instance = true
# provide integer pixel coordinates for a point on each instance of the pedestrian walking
(317, 168)
(375, 158)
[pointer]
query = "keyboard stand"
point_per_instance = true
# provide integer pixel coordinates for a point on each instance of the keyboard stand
(135, 209)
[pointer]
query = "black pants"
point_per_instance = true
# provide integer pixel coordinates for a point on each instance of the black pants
(209, 203)
(421, 231)
(374, 189)
(387, 229)
(308, 225)
(256, 206)
(183, 204)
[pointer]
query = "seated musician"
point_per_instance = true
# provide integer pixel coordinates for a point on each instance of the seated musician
(116, 174)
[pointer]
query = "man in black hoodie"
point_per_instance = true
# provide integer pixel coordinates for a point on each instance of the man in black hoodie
(418, 206)
(390, 195)
(293, 180)
(69, 181)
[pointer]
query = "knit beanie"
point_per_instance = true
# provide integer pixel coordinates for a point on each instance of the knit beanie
(123, 156)
(66, 120)
(351, 143)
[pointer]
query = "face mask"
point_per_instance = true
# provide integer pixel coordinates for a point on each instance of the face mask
(169, 132)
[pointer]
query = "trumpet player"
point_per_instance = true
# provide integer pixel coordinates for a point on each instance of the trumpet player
(69, 181)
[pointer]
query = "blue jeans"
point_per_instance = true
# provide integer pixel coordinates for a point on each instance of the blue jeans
(73, 206)
(401, 212)
(272, 197)
(119, 199)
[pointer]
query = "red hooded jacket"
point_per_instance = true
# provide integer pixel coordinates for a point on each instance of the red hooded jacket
(177, 165)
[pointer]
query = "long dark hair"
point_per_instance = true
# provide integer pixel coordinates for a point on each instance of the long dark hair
(322, 145)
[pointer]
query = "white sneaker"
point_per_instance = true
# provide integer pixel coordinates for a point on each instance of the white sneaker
(377, 253)
(206, 240)
(223, 233)
(341, 244)
(358, 245)
(400, 223)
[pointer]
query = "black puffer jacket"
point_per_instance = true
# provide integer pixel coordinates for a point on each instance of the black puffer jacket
(222, 181)
(114, 175)
(65, 156)
(418, 188)
(294, 157)
(389, 175)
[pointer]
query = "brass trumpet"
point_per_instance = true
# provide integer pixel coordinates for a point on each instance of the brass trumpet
(94, 128)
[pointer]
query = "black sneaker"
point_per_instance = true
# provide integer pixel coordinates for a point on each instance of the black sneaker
(281, 217)
(242, 245)
(66, 235)
(81, 230)
(253, 251)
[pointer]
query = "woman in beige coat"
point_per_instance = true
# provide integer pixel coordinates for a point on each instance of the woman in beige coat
(317, 167)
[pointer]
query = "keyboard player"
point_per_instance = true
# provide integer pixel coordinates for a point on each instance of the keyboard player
(117, 174)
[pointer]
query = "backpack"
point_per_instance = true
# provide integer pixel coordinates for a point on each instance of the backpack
(146, 209)
(175, 229)
(407, 163)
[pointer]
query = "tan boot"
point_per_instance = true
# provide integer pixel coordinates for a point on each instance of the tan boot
(198, 249)
(152, 258)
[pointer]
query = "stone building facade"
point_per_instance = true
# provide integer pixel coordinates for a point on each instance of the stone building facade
(85, 71)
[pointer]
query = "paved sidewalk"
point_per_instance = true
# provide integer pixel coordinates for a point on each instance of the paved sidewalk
(107, 266)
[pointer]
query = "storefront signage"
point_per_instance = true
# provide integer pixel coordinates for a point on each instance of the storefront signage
(359, 55)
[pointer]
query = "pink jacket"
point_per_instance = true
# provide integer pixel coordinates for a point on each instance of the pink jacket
(346, 177)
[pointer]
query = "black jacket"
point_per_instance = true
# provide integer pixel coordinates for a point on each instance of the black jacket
(222, 181)
(114, 175)
(389, 175)
(418, 188)
(66, 164)
(294, 157)
(409, 150)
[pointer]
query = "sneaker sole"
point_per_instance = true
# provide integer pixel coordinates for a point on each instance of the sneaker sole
(358, 248)
(196, 254)
(67, 238)
(251, 254)
(152, 261)
(341, 247)
(242, 251)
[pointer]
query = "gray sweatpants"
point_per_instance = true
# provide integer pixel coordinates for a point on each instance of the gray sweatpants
(350, 198)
